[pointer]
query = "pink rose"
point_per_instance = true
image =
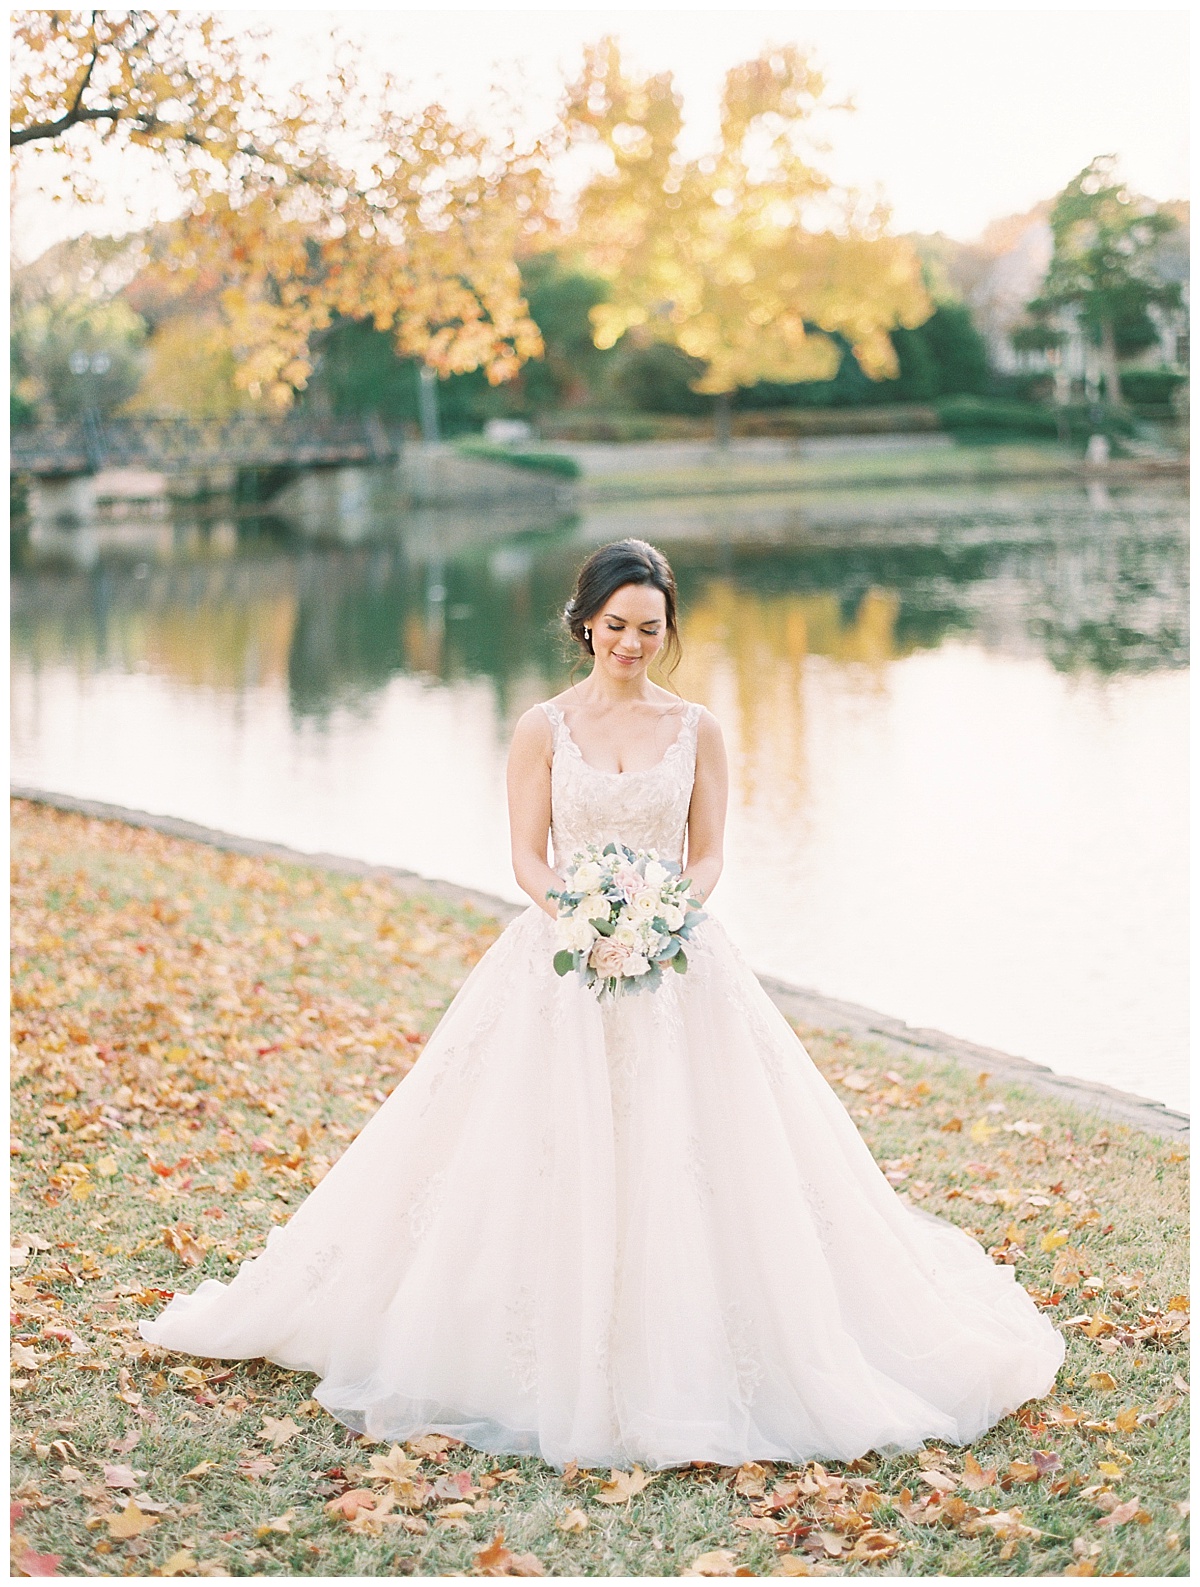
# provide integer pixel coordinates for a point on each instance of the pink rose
(630, 880)
(608, 958)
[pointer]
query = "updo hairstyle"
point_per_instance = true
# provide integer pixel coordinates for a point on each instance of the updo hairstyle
(609, 569)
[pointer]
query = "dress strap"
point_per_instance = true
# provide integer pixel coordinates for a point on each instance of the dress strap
(555, 715)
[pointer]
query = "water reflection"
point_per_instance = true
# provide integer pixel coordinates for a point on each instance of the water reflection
(955, 721)
(450, 598)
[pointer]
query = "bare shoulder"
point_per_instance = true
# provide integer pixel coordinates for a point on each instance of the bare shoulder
(533, 733)
(710, 741)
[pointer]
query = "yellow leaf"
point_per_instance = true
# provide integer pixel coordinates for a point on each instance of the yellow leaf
(278, 1523)
(572, 1520)
(394, 1467)
(81, 1190)
(1110, 1468)
(622, 1485)
(106, 1167)
(131, 1522)
(1051, 1242)
(1127, 1420)
(202, 1470)
(718, 1562)
(1104, 1381)
(1178, 1303)
(981, 1130)
(278, 1431)
(750, 1482)
(181, 1563)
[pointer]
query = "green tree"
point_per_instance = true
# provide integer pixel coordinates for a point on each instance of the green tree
(1102, 267)
(71, 353)
(561, 298)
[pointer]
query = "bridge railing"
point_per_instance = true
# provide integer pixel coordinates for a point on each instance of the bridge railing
(169, 444)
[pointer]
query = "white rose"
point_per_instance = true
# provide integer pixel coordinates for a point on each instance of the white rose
(575, 934)
(627, 936)
(656, 874)
(586, 877)
(594, 907)
(635, 964)
(645, 905)
(673, 916)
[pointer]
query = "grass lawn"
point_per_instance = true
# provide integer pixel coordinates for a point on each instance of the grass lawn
(197, 1035)
(963, 463)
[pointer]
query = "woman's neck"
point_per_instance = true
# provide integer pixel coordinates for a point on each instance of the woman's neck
(606, 691)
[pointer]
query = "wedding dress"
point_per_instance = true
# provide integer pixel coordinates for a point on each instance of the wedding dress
(643, 1230)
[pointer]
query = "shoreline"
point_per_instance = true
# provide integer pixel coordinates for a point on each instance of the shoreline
(800, 1004)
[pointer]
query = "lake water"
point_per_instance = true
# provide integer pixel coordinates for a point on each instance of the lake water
(957, 721)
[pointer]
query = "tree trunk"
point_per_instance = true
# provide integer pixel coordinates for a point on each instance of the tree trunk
(722, 418)
(428, 404)
(1108, 360)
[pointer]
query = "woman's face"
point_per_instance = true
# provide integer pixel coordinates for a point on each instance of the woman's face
(629, 630)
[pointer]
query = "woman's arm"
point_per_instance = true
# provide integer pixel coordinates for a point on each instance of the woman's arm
(706, 815)
(529, 807)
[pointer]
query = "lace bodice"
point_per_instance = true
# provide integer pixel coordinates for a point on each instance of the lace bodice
(643, 809)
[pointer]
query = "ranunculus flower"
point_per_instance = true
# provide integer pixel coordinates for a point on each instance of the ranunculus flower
(609, 957)
(673, 917)
(636, 964)
(656, 874)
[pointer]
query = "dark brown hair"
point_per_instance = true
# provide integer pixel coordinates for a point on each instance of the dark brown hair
(609, 569)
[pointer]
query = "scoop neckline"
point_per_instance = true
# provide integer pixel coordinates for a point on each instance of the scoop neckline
(641, 771)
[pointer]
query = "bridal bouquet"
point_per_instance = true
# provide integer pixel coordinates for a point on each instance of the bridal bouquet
(623, 917)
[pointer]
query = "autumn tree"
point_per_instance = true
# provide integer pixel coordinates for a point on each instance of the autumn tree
(418, 235)
(1103, 264)
(746, 259)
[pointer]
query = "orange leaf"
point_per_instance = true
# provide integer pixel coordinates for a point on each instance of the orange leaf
(974, 1477)
(496, 1560)
(1122, 1513)
(350, 1503)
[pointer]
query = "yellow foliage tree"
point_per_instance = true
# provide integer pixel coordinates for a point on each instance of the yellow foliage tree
(421, 236)
(727, 256)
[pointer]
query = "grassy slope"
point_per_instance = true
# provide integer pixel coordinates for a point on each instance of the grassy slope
(962, 463)
(195, 1033)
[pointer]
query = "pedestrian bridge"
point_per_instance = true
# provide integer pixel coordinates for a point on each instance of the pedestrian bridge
(169, 445)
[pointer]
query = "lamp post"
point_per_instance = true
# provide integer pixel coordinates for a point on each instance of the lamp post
(83, 364)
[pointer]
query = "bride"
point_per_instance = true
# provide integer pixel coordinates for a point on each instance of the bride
(635, 1230)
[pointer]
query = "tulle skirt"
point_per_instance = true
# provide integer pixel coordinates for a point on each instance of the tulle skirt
(639, 1231)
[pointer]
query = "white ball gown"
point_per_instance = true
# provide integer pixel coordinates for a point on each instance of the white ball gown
(635, 1231)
